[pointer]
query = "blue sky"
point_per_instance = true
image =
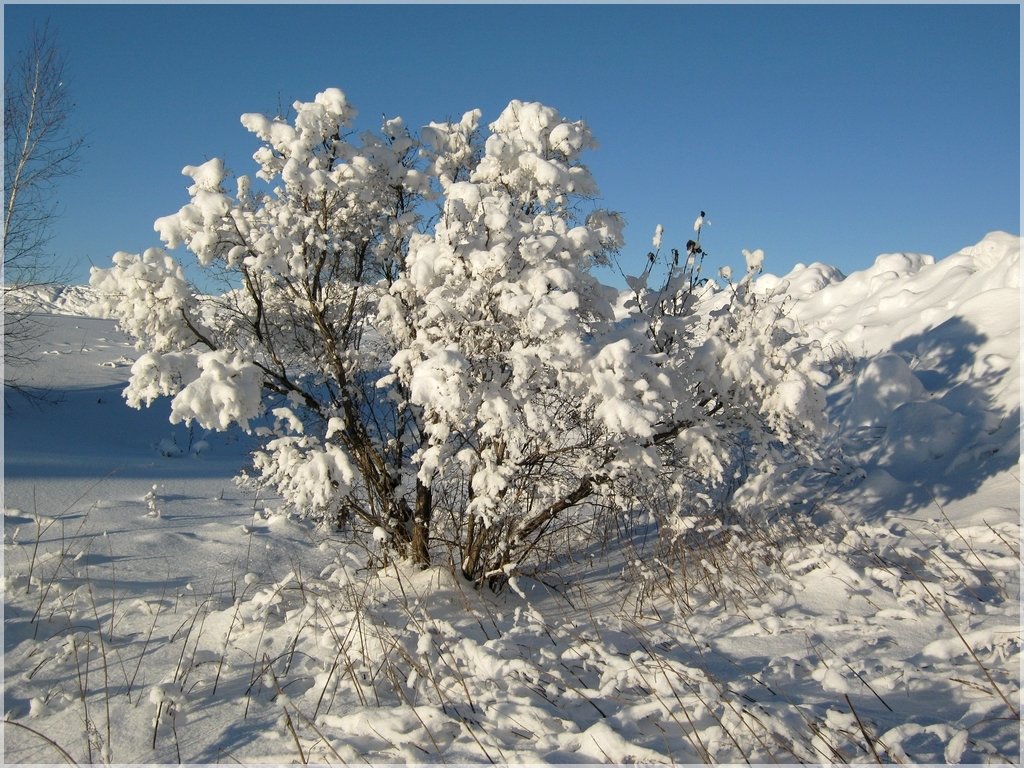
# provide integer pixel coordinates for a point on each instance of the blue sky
(818, 133)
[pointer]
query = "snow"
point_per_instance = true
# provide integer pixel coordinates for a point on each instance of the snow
(884, 621)
(227, 391)
(754, 259)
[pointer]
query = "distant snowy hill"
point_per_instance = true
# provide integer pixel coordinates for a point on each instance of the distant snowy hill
(904, 294)
(76, 300)
(898, 295)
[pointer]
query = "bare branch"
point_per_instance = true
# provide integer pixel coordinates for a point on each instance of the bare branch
(40, 149)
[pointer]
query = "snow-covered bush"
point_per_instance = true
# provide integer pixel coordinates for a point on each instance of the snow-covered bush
(737, 403)
(413, 327)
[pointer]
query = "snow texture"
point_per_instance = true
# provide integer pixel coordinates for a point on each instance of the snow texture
(857, 629)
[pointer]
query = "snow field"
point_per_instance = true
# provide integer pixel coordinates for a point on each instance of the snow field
(410, 666)
(156, 613)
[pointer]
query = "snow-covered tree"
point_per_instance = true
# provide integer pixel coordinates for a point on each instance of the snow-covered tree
(744, 406)
(41, 148)
(311, 246)
(415, 331)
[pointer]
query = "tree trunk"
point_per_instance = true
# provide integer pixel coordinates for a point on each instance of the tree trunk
(420, 545)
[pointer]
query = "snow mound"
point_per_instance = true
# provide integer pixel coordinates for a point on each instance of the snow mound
(802, 281)
(932, 408)
(882, 385)
(903, 294)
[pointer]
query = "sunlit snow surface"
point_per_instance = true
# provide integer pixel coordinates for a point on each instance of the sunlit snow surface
(155, 613)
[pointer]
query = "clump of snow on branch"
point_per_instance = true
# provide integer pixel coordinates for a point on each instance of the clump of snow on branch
(150, 298)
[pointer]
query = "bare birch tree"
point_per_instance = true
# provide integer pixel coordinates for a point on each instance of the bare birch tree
(40, 149)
